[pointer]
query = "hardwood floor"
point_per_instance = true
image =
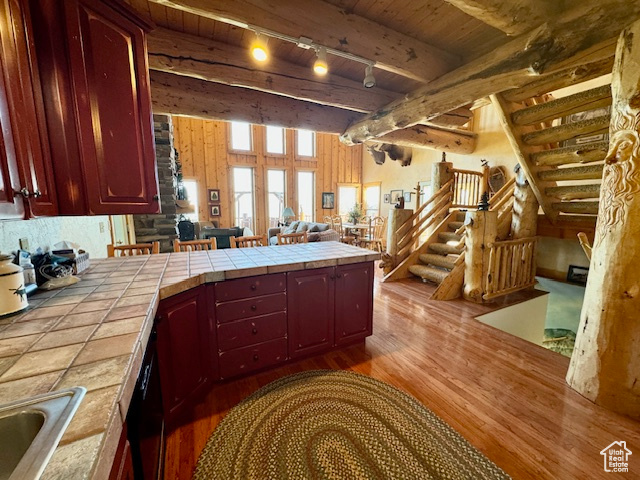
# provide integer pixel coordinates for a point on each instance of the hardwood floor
(504, 395)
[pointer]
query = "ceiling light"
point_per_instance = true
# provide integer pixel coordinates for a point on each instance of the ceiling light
(320, 66)
(259, 48)
(369, 80)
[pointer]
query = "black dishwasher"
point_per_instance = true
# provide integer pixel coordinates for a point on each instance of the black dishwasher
(145, 420)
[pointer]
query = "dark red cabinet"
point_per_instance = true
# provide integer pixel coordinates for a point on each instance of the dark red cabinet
(93, 75)
(186, 349)
(310, 302)
(354, 302)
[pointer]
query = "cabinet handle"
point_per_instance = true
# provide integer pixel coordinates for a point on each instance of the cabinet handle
(253, 307)
(37, 193)
(332, 277)
(254, 331)
(24, 192)
(256, 358)
(253, 287)
(339, 275)
(156, 197)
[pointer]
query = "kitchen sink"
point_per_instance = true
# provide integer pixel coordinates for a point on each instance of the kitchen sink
(30, 430)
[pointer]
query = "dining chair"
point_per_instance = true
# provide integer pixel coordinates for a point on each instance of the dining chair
(337, 226)
(133, 249)
(292, 238)
(195, 245)
(378, 231)
(328, 220)
(249, 241)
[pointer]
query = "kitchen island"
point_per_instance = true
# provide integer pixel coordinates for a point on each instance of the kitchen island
(95, 333)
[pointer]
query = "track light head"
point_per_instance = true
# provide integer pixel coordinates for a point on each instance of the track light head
(259, 48)
(320, 66)
(369, 80)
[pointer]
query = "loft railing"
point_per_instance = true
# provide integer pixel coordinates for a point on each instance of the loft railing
(502, 202)
(468, 187)
(512, 267)
(424, 217)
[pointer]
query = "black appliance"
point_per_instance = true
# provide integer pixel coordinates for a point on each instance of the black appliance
(186, 230)
(145, 420)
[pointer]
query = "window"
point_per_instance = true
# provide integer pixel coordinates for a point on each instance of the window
(372, 200)
(347, 198)
(241, 136)
(243, 197)
(275, 140)
(275, 195)
(306, 143)
(191, 189)
(306, 196)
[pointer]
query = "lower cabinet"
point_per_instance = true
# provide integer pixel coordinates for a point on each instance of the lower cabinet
(186, 349)
(122, 468)
(353, 303)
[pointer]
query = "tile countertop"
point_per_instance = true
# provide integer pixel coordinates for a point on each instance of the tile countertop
(94, 334)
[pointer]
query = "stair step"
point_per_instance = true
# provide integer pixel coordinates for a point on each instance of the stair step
(588, 172)
(576, 207)
(590, 152)
(438, 260)
(455, 225)
(574, 192)
(429, 273)
(568, 131)
(449, 237)
(580, 102)
(444, 249)
(460, 216)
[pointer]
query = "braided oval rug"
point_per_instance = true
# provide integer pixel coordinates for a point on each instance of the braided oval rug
(327, 424)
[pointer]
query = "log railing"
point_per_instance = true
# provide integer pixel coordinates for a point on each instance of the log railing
(468, 187)
(424, 217)
(502, 196)
(512, 267)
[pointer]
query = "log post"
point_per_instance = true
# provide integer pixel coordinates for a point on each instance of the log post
(485, 178)
(441, 173)
(481, 231)
(605, 365)
(524, 221)
(397, 216)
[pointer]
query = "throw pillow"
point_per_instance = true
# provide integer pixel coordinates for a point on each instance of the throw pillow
(291, 228)
(313, 228)
(302, 227)
(313, 237)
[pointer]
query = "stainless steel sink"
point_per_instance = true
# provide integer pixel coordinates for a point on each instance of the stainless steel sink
(31, 429)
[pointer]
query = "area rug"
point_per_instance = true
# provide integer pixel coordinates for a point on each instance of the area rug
(327, 424)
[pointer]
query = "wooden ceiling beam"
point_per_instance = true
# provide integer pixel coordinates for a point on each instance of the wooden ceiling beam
(179, 95)
(193, 56)
(577, 38)
(513, 17)
(330, 26)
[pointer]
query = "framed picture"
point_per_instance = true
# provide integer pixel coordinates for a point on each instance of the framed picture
(214, 210)
(407, 197)
(387, 198)
(214, 195)
(395, 195)
(577, 274)
(328, 200)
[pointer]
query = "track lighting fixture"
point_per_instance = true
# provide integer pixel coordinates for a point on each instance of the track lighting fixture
(259, 48)
(320, 66)
(369, 80)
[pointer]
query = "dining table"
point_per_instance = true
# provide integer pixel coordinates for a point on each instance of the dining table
(358, 230)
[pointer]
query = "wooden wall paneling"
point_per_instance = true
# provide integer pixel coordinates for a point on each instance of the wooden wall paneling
(198, 158)
(209, 162)
(222, 175)
(259, 174)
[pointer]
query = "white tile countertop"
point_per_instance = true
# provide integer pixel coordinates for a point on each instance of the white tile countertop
(94, 334)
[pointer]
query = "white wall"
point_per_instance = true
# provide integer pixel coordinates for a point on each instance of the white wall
(91, 233)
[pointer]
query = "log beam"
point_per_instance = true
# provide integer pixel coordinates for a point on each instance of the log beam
(513, 17)
(197, 57)
(576, 38)
(331, 26)
(423, 136)
(605, 365)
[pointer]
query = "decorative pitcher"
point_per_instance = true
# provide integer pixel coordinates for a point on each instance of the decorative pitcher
(13, 296)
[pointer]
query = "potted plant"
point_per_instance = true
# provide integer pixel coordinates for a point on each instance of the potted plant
(355, 214)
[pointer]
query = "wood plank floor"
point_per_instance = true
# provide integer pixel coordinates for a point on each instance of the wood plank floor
(504, 395)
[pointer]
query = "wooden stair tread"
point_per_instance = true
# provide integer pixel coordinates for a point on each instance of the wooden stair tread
(442, 261)
(429, 273)
(574, 192)
(455, 225)
(588, 153)
(587, 172)
(576, 207)
(443, 248)
(568, 131)
(449, 237)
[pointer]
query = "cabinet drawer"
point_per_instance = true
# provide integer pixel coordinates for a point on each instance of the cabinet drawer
(251, 331)
(248, 359)
(250, 287)
(250, 307)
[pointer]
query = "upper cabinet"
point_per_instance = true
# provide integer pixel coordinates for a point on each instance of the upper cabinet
(83, 142)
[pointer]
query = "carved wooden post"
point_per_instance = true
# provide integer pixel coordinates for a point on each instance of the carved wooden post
(441, 173)
(485, 177)
(397, 216)
(482, 230)
(605, 366)
(524, 221)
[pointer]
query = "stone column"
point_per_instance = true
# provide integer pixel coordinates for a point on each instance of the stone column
(605, 365)
(162, 226)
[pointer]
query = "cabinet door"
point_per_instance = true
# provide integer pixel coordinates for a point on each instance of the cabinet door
(354, 302)
(186, 350)
(310, 302)
(11, 206)
(109, 74)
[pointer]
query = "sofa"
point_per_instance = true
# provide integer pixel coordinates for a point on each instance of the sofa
(316, 232)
